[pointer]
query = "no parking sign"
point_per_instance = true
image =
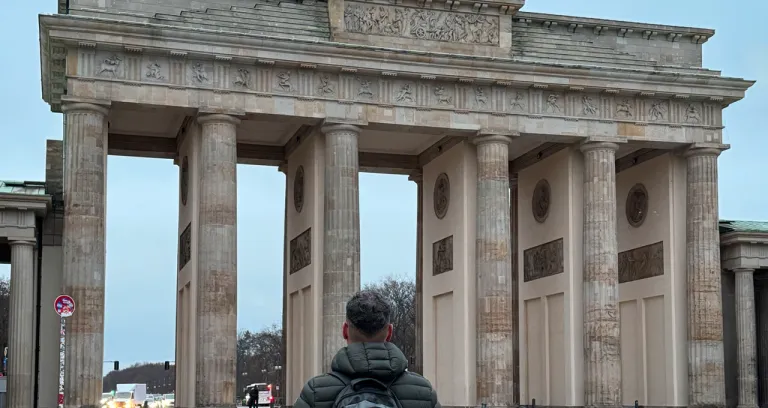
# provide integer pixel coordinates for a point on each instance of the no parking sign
(64, 306)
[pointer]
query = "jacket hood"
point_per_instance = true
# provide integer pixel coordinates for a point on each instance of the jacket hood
(382, 361)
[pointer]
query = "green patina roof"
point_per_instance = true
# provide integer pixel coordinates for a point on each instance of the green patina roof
(743, 226)
(22, 187)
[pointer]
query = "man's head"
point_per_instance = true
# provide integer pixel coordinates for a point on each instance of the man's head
(368, 318)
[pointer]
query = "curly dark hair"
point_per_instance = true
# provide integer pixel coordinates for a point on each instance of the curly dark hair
(369, 312)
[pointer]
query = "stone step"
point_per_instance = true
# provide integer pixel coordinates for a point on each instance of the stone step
(576, 52)
(555, 56)
(251, 29)
(311, 26)
(264, 16)
(319, 9)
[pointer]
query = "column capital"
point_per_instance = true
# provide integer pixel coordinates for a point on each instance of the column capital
(283, 168)
(705, 149)
(329, 127)
(23, 243)
(217, 118)
(743, 270)
(72, 106)
(597, 142)
(417, 176)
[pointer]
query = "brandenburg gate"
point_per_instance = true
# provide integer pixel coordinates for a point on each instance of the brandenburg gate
(568, 247)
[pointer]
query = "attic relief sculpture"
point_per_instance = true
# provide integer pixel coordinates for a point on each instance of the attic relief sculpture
(423, 24)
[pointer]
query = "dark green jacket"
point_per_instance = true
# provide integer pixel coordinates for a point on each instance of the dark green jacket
(382, 361)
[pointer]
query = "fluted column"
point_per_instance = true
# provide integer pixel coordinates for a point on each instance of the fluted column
(514, 236)
(84, 250)
(495, 362)
(706, 373)
(217, 263)
(341, 245)
(21, 338)
(746, 338)
(602, 351)
(418, 178)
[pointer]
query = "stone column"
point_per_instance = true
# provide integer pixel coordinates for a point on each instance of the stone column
(513, 235)
(706, 373)
(282, 392)
(84, 250)
(418, 178)
(762, 339)
(493, 263)
(746, 338)
(217, 263)
(21, 340)
(341, 246)
(602, 351)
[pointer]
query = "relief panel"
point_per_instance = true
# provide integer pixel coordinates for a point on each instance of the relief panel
(285, 80)
(543, 260)
(155, 69)
(517, 100)
(326, 85)
(109, 65)
(185, 246)
(200, 73)
(423, 24)
(442, 256)
(242, 77)
(641, 263)
(301, 251)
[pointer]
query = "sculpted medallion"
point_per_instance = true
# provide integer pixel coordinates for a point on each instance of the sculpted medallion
(637, 205)
(298, 189)
(541, 199)
(184, 182)
(441, 195)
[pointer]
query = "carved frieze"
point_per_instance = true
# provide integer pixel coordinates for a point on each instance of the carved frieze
(637, 205)
(425, 92)
(542, 196)
(423, 24)
(185, 246)
(184, 182)
(543, 260)
(301, 251)
(441, 195)
(442, 256)
(298, 189)
(641, 263)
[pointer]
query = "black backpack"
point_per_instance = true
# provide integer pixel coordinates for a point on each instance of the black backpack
(365, 393)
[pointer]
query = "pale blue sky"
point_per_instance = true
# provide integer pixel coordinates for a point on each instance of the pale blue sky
(142, 193)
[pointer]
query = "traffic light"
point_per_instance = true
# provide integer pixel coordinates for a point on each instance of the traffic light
(117, 366)
(167, 365)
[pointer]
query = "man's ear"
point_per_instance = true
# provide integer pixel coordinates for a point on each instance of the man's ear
(345, 331)
(389, 332)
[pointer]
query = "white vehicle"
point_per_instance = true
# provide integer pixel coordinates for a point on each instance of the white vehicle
(150, 401)
(169, 400)
(129, 396)
(265, 394)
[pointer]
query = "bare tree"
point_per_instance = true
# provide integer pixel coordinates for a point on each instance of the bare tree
(401, 294)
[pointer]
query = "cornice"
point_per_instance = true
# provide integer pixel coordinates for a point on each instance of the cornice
(672, 33)
(110, 33)
(754, 238)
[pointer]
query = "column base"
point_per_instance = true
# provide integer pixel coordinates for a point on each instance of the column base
(747, 406)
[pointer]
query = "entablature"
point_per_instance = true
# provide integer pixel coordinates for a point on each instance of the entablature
(106, 56)
(744, 250)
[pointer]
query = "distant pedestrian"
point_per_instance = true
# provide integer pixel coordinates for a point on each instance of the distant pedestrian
(253, 397)
(370, 371)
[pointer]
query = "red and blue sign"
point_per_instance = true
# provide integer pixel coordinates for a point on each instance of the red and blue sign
(64, 306)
